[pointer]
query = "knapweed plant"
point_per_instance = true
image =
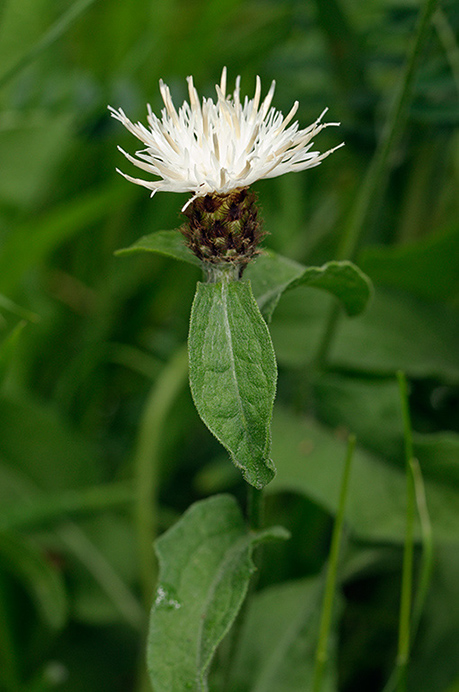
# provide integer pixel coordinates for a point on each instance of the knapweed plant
(215, 151)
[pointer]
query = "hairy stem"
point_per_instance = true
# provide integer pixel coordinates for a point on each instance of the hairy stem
(255, 508)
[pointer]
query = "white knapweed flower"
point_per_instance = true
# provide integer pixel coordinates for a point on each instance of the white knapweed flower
(214, 148)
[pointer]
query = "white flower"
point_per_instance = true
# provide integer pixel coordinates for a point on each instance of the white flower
(218, 147)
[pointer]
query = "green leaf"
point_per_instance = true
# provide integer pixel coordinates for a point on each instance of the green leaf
(233, 374)
(434, 662)
(272, 274)
(52, 507)
(44, 583)
(428, 268)
(38, 442)
(167, 243)
(397, 332)
(279, 639)
(370, 407)
(367, 406)
(46, 137)
(343, 280)
(34, 239)
(310, 458)
(8, 347)
(205, 569)
(438, 454)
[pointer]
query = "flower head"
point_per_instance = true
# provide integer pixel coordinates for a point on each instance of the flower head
(214, 148)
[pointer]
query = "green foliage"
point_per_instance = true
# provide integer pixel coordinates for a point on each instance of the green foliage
(167, 243)
(309, 458)
(44, 582)
(421, 340)
(205, 568)
(233, 374)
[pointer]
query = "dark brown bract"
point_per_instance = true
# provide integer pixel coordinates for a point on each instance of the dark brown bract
(224, 227)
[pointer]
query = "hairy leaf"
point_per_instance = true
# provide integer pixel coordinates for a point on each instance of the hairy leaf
(273, 274)
(167, 243)
(233, 374)
(205, 568)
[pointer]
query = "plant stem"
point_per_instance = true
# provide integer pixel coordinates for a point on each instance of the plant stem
(373, 185)
(255, 508)
(147, 462)
(327, 606)
(255, 520)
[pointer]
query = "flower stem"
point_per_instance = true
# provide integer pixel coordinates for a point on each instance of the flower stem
(372, 188)
(147, 462)
(255, 507)
(327, 606)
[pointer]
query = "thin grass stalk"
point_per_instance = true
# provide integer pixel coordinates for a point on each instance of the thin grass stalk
(415, 499)
(403, 651)
(55, 31)
(372, 188)
(450, 44)
(147, 463)
(427, 547)
(329, 595)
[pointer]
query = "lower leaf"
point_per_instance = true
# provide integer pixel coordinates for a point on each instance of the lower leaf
(205, 568)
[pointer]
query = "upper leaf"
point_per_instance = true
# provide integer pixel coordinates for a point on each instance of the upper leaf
(233, 374)
(205, 568)
(168, 243)
(271, 274)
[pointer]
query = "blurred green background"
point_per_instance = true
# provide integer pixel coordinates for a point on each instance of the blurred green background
(87, 338)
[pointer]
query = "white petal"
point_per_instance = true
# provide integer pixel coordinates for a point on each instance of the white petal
(206, 147)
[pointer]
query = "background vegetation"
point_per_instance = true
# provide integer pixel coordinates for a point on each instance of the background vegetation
(93, 383)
